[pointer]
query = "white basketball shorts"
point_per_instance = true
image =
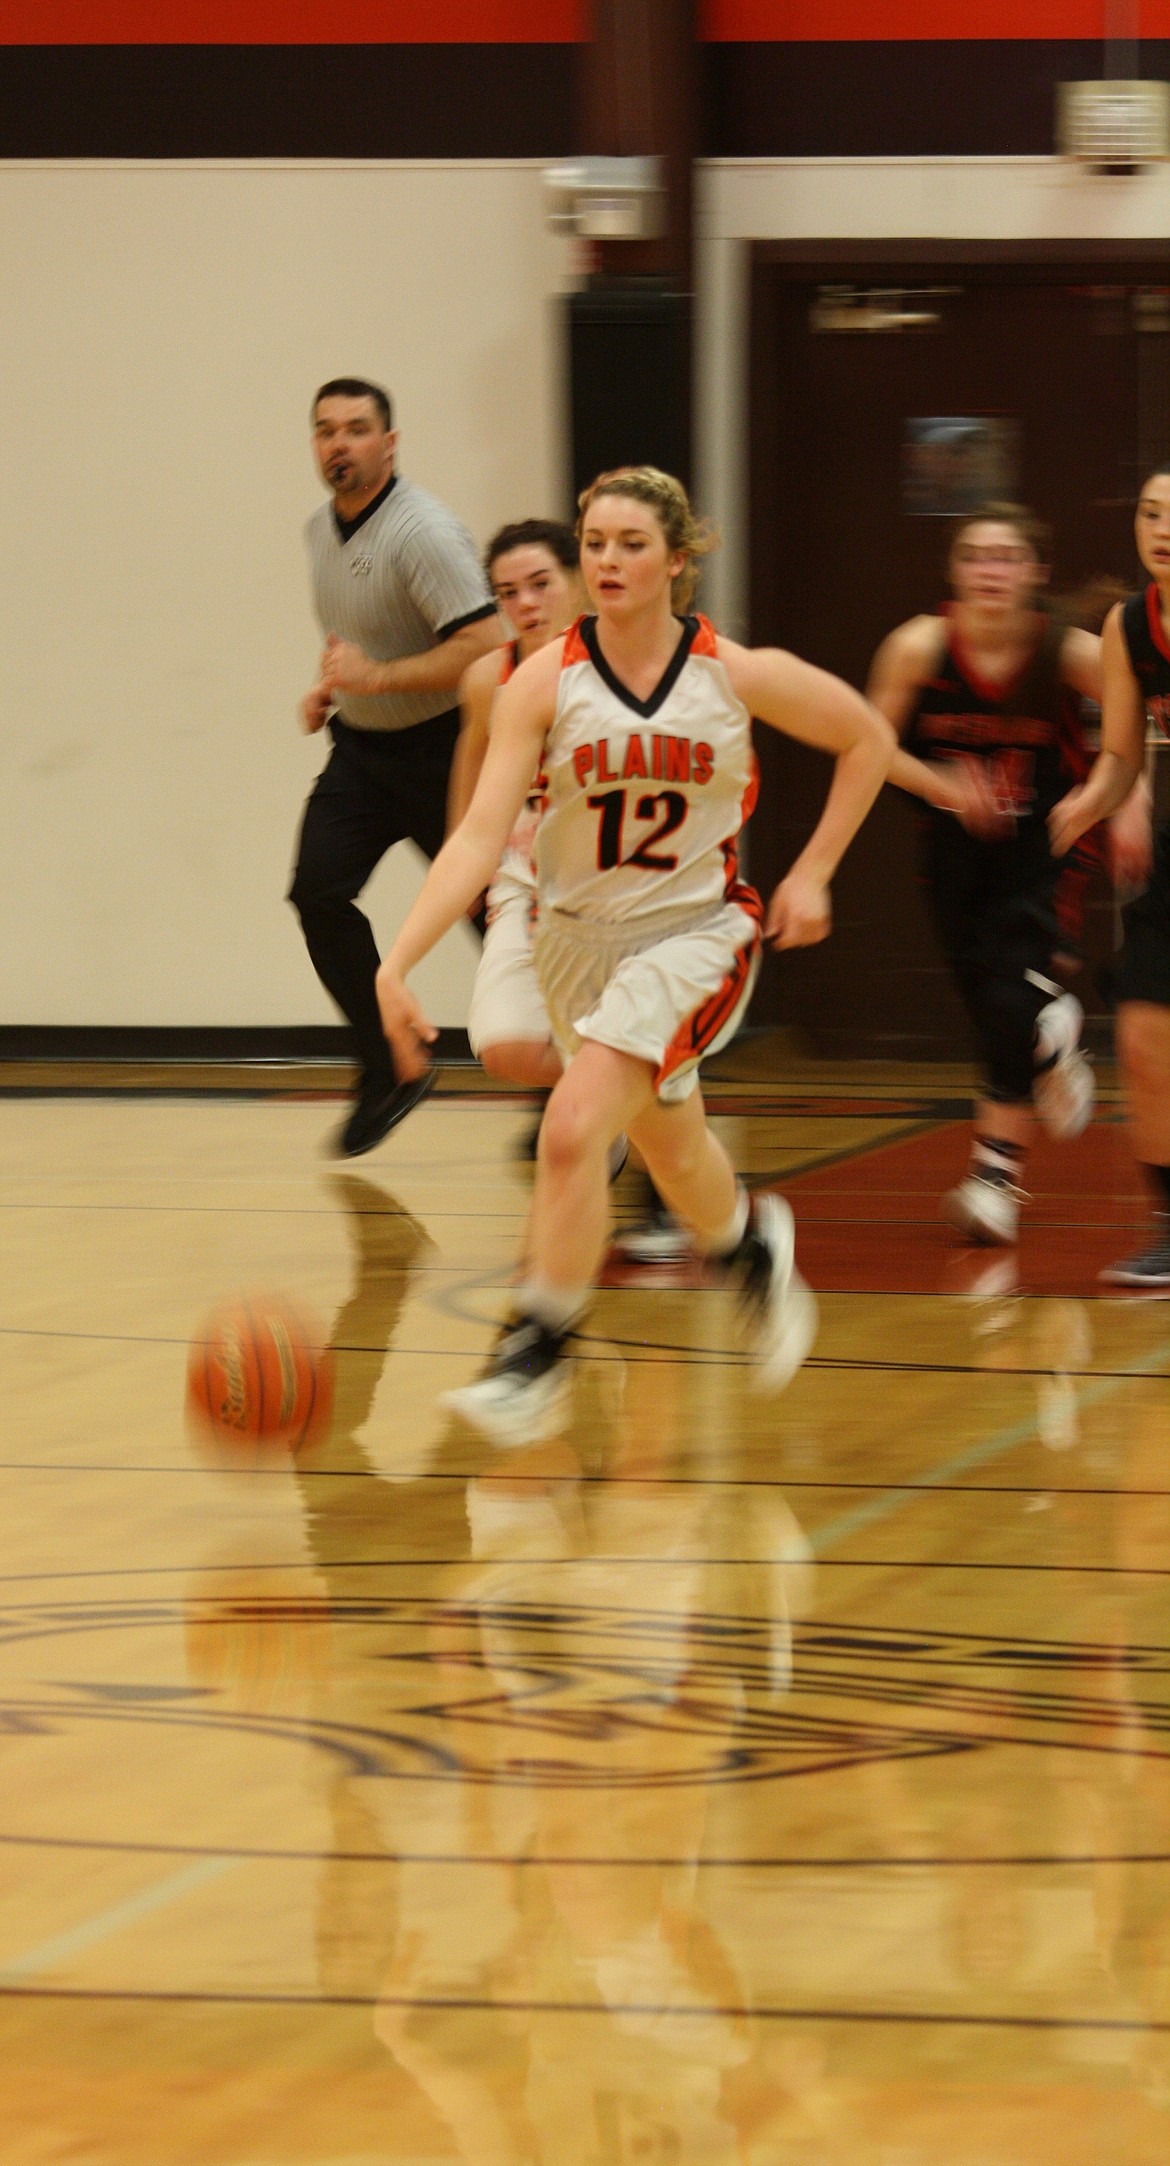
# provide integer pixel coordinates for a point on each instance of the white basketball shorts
(665, 993)
(506, 1000)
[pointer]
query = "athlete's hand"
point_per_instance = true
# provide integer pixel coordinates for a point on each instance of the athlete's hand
(1131, 838)
(799, 914)
(407, 1029)
(345, 668)
(314, 709)
(970, 795)
(1070, 819)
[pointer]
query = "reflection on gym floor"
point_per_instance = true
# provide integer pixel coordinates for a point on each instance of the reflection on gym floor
(719, 1781)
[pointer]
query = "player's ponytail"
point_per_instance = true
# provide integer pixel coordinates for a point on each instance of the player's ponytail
(685, 534)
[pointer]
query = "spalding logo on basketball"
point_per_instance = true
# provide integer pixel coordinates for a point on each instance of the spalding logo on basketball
(258, 1374)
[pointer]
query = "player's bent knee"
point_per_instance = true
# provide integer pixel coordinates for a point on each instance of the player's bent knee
(567, 1135)
(575, 1127)
(499, 1061)
(528, 1062)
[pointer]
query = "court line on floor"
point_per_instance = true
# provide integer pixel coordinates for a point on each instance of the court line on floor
(675, 2010)
(671, 1564)
(77, 1939)
(1026, 1431)
(526, 1860)
(404, 1478)
(399, 1477)
(646, 1351)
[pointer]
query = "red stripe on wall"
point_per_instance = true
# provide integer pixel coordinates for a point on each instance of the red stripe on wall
(303, 22)
(778, 22)
(546, 22)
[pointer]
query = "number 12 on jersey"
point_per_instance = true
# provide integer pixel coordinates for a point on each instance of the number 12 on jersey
(611, 804)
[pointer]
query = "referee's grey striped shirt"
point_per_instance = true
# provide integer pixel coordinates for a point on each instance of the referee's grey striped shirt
(396, 581)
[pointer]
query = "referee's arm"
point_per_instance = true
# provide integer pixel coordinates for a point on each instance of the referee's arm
(438, 566)
(344, 667)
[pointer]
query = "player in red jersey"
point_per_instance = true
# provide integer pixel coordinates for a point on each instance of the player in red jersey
(986, 697)
(1136, 657)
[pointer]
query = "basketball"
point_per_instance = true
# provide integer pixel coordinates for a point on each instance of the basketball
(258, 1373)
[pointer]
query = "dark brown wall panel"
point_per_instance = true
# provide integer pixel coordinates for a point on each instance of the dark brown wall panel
(287, 101)
(958, 98)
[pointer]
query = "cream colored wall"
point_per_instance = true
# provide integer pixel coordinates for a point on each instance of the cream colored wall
(163, 329)
(821, 199)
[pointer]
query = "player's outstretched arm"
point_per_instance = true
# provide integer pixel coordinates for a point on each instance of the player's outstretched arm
(477, 690)
(469, 857)
(1123, 744)
(820, 710)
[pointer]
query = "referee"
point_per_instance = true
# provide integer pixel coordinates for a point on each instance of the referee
(404, 606)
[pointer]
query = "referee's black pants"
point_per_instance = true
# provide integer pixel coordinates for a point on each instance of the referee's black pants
(377, 788)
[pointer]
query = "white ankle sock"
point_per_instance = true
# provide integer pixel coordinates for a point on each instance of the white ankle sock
(556, 1307)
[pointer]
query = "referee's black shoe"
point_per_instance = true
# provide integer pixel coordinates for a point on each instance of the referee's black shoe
(378, 1107)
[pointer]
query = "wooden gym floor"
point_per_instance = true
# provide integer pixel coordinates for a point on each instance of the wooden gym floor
(729, 1782)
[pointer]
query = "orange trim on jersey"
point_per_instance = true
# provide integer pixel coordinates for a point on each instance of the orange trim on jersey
(574, 649)
(745, 898)
(704, 641)
(1154, 619)
(701, 1028)
(734, 888)
(510, 660)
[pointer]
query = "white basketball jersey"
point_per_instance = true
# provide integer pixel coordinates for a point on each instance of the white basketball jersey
(645, 799)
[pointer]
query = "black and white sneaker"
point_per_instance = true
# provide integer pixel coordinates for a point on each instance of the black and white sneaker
(984, 1211)
(781, 1308)
(656, 1239)
(524, 1393)
(1064, 1091)
(1149, 1268)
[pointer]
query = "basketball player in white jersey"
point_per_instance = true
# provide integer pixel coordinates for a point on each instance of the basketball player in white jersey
(532, 570)
(647, 942)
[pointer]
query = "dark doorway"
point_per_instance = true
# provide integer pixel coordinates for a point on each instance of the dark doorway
(881, 389)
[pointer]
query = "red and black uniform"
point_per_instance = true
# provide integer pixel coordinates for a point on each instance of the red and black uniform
(997, 903)
(1144, 972)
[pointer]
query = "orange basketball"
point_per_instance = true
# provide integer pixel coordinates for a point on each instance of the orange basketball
(258, 1373)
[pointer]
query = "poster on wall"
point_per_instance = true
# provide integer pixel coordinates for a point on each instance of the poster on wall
(953, 463)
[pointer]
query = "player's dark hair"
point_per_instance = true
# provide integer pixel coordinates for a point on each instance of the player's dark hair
(1031, 530)
(560, 541)
(1161, 472)
(356, 387)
